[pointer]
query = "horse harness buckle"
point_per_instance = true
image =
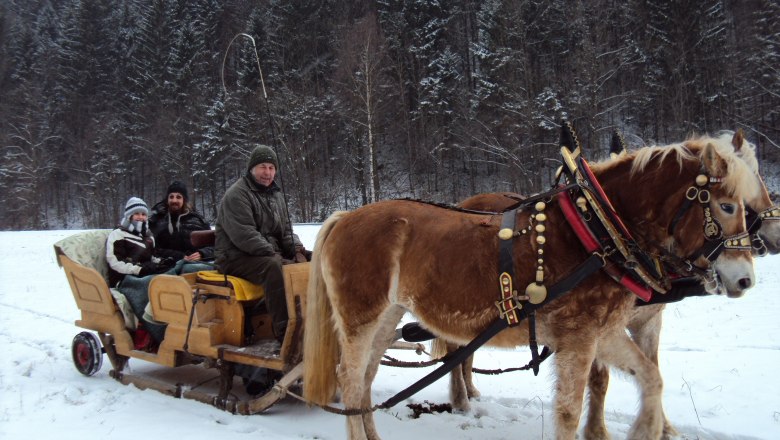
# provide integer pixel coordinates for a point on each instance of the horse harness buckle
(507, 305)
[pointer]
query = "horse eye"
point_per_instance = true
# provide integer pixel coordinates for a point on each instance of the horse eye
(728, 208)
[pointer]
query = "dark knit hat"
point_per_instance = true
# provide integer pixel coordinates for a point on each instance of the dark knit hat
(134, 205)
(177, 187)
(262, 154)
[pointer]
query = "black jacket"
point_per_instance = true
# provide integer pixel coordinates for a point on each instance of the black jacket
(172, 233)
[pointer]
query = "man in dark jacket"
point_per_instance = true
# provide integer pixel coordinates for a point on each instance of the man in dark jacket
(172, 222)
(254, 233)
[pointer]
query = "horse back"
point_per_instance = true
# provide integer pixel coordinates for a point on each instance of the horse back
(495, 202)
(442, 266)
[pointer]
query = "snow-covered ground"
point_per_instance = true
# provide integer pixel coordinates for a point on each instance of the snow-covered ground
(720, 360)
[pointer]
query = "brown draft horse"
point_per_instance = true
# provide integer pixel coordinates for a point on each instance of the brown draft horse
(372, 265)
(645, 323)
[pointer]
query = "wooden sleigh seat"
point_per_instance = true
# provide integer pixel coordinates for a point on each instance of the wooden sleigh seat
(264, 351)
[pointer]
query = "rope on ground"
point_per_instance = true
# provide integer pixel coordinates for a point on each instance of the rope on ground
(328, 408)
(393, 362)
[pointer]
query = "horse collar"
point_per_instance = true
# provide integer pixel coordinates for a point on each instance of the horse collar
(597, 217)
(593, 245)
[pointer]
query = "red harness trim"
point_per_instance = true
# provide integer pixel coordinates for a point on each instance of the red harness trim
(580, 228)
(592, 245)
(597, 186)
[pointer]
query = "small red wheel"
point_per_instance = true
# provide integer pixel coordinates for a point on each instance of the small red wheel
(87, 353)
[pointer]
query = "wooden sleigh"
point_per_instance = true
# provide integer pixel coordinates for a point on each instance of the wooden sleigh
(210, 335)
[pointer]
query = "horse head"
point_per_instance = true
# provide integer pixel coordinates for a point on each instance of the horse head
(688, 200)
(763, 214)
(734, 265)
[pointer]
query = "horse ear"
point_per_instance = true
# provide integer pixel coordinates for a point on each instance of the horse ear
(713, 162)
(618, 145)
(738, 139)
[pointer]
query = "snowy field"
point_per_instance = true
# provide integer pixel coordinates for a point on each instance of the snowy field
(720, 360)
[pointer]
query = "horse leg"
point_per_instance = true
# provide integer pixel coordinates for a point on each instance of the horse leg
(645, 330)
(459, 397)
(598, 382)
(458, 392)
(619, 350)
(468, 377)
(352, 370)
(385, 334)
(461, 386)
(572, 365)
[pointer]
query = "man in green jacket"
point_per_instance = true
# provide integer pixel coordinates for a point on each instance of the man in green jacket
(254, 233)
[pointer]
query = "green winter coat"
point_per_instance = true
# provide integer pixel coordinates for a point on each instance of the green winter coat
(252, 220)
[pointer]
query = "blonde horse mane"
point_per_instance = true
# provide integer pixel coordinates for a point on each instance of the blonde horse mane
(747, 151)
(741, 179)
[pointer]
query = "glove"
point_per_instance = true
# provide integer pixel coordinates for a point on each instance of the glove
(149, 268)
(301, 254)
(289, 253)
(167, 263)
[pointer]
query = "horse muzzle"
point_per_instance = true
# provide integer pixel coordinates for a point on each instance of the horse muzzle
(735, 275)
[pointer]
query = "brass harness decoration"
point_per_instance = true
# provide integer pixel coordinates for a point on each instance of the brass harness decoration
(653, 277)
(771, 213)
(622, 249)
(536, 291)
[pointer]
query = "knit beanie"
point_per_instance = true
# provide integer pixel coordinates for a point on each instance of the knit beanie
(262, 154)
(177, 187)
(133, 205)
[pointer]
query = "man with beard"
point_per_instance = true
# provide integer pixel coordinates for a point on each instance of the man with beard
(172, 222)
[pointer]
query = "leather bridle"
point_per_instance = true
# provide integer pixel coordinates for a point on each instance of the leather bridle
(714, 242)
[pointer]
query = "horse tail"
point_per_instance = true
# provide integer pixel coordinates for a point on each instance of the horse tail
(438, 348)
(320, 341)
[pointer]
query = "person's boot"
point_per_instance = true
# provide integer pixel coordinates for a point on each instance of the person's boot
(249, 331)
(141, 337)
(256, 380)
(280, 328)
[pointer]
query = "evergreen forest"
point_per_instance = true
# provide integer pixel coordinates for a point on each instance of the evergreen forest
(101, 100)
